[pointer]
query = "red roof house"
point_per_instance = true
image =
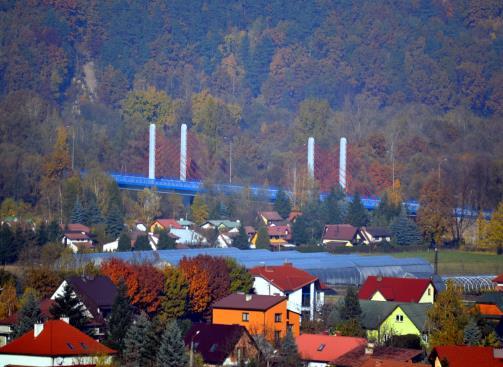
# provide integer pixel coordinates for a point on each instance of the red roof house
(271, 217)
(54, 343)
(320, 349)
(377, 288)
(463, 356)
(165, 224)
(341, 234)
(302, 289)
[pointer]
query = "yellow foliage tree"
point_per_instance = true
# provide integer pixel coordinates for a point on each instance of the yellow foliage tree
(494, 230)
(199, 210)
(8, 301)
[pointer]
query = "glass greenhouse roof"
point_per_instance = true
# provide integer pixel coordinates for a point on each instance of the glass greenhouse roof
(329, 268)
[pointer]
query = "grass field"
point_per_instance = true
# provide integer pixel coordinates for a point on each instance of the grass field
(454, 262)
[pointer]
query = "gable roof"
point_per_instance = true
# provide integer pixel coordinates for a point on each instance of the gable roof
(223, 222)
(280, 231)
(215, 342)
(339, 232)
(272, 216)
(378, 231)
(252, 302)
(495, 299)
(374, 313)
(394, 289)
(462, 356)
(76, 227)
(285, 277)
(56, 339)
(357, 357)
(384, 362)
(168, 223)
(97, 291)
(77, 236)
(326, 348)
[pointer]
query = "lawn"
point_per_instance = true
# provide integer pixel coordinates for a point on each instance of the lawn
(455, 262)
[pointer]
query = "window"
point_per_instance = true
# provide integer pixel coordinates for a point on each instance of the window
(246, 317)
(399, 318)
(429, 291)
(70, 346)
(277, 317)
(84, 346)
(321, 347)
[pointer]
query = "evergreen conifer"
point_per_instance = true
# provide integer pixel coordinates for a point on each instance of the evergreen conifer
(115, 222)
(140, 343)
(165, 241)
(263, 240)
(282, 204)
(357, 214)
(472, 333)
(172, 348)
(351, 309)
(42, 235)
(405, 231)
(142, 243)
(77, 215)
(6, 244)
(241, 240)
(68, 305)
(124, 243)
(28, 315)
(288, 353)
(54, 232)
(120, 320)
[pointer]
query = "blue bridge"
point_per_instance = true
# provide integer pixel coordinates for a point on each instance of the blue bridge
(191, 188)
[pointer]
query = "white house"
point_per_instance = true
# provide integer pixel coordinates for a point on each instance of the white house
(188, 237)
(54, 343)
(303, 290)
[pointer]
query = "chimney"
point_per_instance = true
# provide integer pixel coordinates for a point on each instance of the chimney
(37, 329)
(151, 153)
(369, 349)
(248, 297)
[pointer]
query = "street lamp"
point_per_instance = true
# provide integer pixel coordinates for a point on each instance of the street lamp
(191, 359)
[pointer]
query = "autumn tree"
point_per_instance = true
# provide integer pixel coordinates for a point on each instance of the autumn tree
(8, 300)
(312, 120)
(148, 205)
(199, 210)
(150, 105)
(435, 211)
(175, 297)
(447, 318)
(494, 230)
(43, 280)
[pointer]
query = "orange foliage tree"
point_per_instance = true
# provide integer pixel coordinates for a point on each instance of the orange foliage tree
(143, 281)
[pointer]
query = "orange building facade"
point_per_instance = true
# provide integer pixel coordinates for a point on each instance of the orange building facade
(260, 315)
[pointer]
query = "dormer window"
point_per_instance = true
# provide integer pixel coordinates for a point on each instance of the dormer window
(70, 346)
(321, 347)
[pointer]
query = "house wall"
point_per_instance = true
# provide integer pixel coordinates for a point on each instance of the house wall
(428, 295)
(391, 326)
(260, 322)
(39, 361)
(378, 297)
(245, 350)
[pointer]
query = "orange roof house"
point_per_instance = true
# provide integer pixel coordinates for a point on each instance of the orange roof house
(490, 305)
(463, 356)
(165, 224)
(270, 217)
(259, 314)
(54, 343)
(316, 348)
(377, 288)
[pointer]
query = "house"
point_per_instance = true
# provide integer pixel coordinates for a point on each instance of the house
(222, 225)
(463, 356)
(185, 223)
(375, 235)
(7, 324)
(259, 314)
(97, 295)
(77, 237)
(270, 218)
(342, 235)
(54, 343)
(490, 305)
(221, 345)
(302, 289)
(383, 320)
(189, 237)
(250, 232)
(391, 355)
(164, 225)
(499, 282)
(318, 350)
(378, 288)
(278, 235)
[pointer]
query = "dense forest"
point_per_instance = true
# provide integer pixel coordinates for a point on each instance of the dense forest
(415, 86)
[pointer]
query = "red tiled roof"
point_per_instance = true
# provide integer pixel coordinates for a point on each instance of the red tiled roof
(462, 356)
(237, 301)
(382, 362)
(326, 348)
(168, 223)
(77, 227)
(56, 339)
(394, 289)
(357, 357)
(279, 231)
(285, 277)
(339, 232)
(498, 279)
(271, 216)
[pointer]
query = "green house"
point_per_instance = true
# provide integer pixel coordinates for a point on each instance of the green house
(382, 320)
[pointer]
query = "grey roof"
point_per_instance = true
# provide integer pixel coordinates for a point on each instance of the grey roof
(375, 312)
(329, 268)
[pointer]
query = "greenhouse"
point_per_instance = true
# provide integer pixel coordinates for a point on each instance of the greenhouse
(329, 268)
(473, 284)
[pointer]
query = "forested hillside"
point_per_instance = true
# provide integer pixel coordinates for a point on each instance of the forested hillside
(416, 87)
